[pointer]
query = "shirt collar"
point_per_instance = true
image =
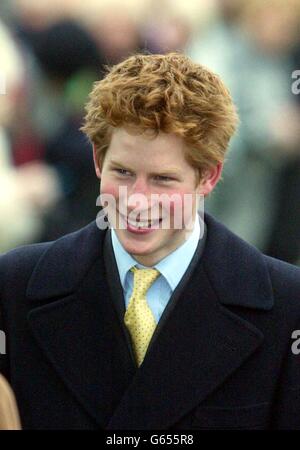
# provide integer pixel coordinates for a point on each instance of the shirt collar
(124, 260)
(168, 267)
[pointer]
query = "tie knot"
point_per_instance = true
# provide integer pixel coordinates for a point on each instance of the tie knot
(143, 279)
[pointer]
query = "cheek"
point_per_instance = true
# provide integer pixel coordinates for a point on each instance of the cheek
(109, 188)
(176, 202)
(181, 208)
(109, 196)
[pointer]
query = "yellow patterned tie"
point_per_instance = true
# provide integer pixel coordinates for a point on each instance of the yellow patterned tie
(139, 318)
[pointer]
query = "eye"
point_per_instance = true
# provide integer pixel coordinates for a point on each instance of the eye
(122, 172)
(163, 178)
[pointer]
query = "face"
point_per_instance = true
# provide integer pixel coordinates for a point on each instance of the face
(275, 29)
(149, 179)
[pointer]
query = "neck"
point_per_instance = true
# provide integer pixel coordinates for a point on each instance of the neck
(150, 259)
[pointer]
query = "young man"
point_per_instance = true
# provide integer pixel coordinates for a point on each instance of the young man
(161, 320)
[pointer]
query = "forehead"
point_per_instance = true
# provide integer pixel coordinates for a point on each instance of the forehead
(146, 146)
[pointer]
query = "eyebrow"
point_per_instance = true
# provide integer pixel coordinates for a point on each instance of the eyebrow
(167, 172)
(115, 163)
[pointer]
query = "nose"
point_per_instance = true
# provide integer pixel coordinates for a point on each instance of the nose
(139, 195)
(140, 186)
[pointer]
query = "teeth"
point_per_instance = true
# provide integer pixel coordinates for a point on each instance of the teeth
(141, 224)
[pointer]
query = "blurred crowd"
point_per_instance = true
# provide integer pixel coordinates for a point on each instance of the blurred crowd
(51, 52)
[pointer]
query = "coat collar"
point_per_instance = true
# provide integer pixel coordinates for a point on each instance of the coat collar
(80, 331)
(64, 264)
(198, 348)
(236, 269)
(77, 328)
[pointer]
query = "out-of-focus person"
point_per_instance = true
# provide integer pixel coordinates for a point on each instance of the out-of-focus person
(168, 24)
(67, 74)
(9, 415)
(285, 237)
(249, 46)
(28, 191)
(116, 32)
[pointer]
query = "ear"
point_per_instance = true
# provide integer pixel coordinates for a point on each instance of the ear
(97, 164)
(209, 179)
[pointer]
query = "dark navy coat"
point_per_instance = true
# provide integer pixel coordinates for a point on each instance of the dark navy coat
(220, 358)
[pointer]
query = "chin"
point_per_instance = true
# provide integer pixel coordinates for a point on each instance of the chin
(138, 249)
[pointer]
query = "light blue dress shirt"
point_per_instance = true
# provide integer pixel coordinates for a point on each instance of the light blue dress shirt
(171, 268)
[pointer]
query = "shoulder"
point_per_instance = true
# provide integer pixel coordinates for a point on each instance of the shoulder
(285, 280)
(244, 276)
(19, 263)
(282, 272)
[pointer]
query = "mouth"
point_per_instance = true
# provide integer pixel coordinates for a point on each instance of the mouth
(141, 225)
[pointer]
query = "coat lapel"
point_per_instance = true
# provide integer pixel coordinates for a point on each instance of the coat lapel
(116, 290)
(199, 345)
(202, 342)
(79, 331)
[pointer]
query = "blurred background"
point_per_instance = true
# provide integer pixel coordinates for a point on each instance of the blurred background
(51, 52)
